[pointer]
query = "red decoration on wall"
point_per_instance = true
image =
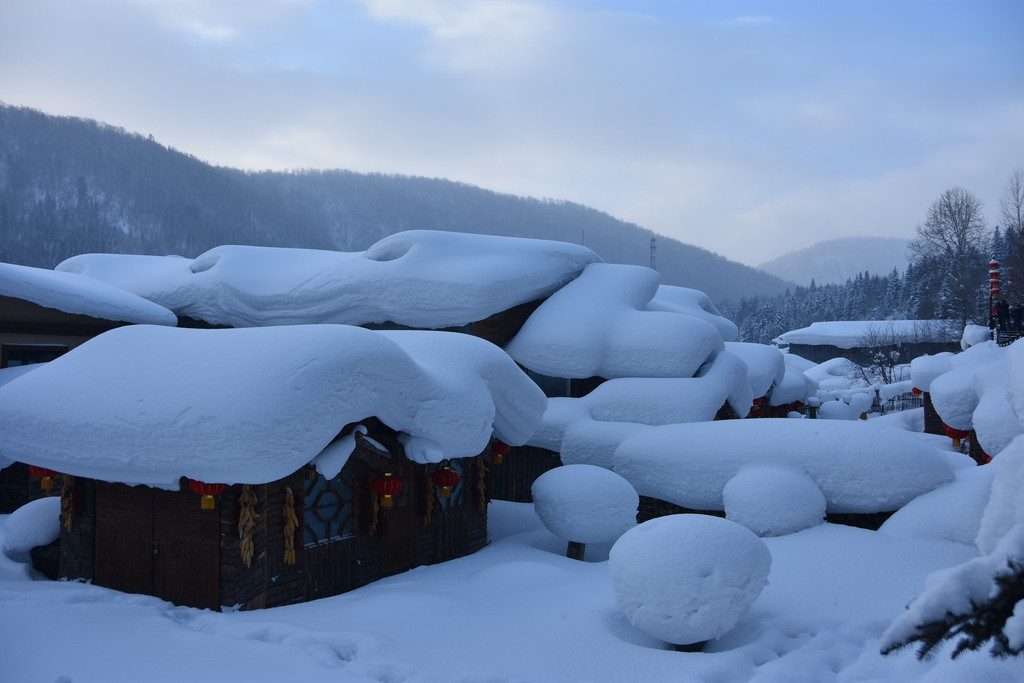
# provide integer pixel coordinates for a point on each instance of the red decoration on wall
(45, 476)
(446, 478)
(387, 486)
(955, 434)
(207, 491)
(499, 450)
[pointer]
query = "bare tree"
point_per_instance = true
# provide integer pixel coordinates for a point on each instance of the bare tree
(954, 231)
(890, 344)
(1011, 204)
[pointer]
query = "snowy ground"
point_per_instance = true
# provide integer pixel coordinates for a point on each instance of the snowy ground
(516, 611)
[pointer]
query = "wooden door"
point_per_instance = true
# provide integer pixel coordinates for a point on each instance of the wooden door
(159, 543)
(186, 541)
(124, 538)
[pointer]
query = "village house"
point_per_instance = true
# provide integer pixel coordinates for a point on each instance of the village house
(861, 341)
(276, 464)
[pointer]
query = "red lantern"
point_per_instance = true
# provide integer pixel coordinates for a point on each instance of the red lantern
(993, 283)
(955, 434)
(446, 478)
(993, 264)
(995, 291)
(207, 491)
(916, 392)
(386, 486)
(45, 476)
(499, 450)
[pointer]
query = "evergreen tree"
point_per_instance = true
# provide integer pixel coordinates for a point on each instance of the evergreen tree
(986, 621)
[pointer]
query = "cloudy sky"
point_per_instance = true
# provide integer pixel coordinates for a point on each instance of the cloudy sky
(748, 128)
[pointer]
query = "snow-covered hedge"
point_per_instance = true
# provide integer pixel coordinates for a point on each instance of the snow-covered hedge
(859, 466)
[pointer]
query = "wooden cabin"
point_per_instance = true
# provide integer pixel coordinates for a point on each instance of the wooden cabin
(299, 538)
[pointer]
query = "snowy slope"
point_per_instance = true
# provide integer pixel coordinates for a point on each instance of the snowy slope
(839, 259)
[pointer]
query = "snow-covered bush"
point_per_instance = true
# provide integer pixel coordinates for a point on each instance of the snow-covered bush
(688, 578)
(33, 524)
(848, 407)
(585, 503)
(981, 600)
(773, 501)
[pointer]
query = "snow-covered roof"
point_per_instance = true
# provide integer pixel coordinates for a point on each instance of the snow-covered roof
(696, 303)
(148, 405)
(601, 325)
(71, 294)
(972, 394)
(419, 278)
(849, 334)
(765, 365)
(588, 429)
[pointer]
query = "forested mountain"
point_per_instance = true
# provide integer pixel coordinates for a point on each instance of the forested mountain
(834, 261)
(71, 186)
(919, 293)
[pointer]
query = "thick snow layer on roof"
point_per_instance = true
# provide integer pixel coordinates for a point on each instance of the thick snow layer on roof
(924, 369)
(693, 302)
(835, 374)
(82, 296)
(588, 429)
(688, 578)
(859, 467)
(765, 365)
(147, 405)
(599, 325)
(794, 387)
(974, 335)
(419, 278)
(585, 504)
(848, 334)
(972, 394)
(848, 407)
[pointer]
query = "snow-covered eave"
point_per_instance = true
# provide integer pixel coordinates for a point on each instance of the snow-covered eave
(67, 294)
(850, 334)
(419, 279)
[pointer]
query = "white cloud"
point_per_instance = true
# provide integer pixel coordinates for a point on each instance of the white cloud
(474, 35)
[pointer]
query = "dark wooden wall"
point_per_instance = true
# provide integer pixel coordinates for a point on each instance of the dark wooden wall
(144, 540)
(514, 477)
(932, 421)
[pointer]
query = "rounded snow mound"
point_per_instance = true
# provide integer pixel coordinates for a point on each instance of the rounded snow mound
(860, 466)
(773, 501)
(688, 578)
(585, 503)
(33, 524)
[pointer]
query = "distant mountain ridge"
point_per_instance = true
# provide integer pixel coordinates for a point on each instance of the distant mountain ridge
(71, 186)
(833, 261)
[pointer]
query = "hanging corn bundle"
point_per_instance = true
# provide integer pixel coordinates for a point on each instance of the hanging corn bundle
(67, 503)
(481, 485)
(291, 524)
(247, 523)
